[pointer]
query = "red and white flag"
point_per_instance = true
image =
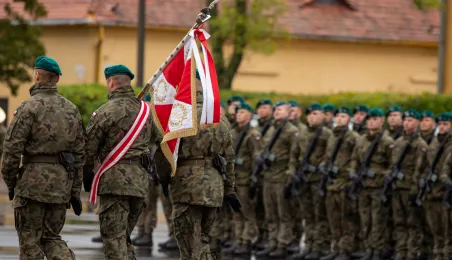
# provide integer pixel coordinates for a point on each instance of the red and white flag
(174, 96)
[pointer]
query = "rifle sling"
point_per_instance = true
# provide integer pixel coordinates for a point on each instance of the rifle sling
(311, 145)
(239, 141)
(402, 155)
(337, 146)
(371, 150)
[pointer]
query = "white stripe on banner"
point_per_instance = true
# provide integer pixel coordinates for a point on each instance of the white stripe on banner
(210, 98)
(201, 75)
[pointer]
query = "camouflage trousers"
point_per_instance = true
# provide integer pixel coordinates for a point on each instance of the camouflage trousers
(223, 224)
(38, 226)
(437, 220)
(407, 224)
(192, 224)
(148, 217)
(245, 222)
(374, 218)
(118, 216)
(260, 212)
(317, 233)
(297, 216)
(167, 210)
(278, 215)
(427, 237)
(343, 217)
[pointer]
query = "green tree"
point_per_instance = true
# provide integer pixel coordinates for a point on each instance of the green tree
(19, 43)
(243, 24)
(424, 4)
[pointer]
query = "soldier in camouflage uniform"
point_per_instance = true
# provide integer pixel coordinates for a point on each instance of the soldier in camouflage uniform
(48, 131)
(406, 217)
(247, 145)
(437, 214)
(317, 233)
(198, 189)
(343, 215)
(233, 102)
(328, 110)
(359, 119)
(264, 111)
(123, 188)
(2, 130)
(277, 208)
(373, 214)
(395, 122)
(427, 126)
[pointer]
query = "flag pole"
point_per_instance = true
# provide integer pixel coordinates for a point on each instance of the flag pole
(203, 17)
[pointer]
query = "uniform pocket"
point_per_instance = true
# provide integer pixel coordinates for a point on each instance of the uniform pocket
(19, 211)
(112, 217)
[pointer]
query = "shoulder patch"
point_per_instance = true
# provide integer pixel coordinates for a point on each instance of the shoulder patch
(391, 146)
(258, 138)
(94, 114)
(15, 113)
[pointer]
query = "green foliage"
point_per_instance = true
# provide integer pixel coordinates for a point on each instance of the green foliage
(424, 4)
(19, 43)
(90, 97)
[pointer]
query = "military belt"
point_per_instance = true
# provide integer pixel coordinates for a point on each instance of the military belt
(208, 161)
(53, 159)
(130, 161)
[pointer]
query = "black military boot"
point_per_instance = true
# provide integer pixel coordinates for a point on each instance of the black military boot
(266, 251)
(145, 240)
(301, 255)
(367, 255)
(294, 247)
(343, 256)
(400, 256)
(280, 252)
(97, 239)
(358, 254)
(331, 256)
(231, 249)
(315, 255)
(169, 245)
(378, 256)
(139, 236)
(243, 249)
(423, 256)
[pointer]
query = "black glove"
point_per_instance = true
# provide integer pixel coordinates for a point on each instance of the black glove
(252, 190)
(88, 176)
(412, 199)
(76, 204)
(233, 201)
(11, 194)
(288, 191)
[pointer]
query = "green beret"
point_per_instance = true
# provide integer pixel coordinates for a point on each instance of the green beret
(446, 116)
(412, 113)
(344, 110)
(328, 108)
(428, 113)
(222, 104)
(118, 70)
(244, 106)
(361, 108)
(294, 103)
(197, 75)
(235, 99)
(376, 112)
(48, 64)
(394, 108)
(147, 97)
(280, 103)
(313, 107)
(263, 102)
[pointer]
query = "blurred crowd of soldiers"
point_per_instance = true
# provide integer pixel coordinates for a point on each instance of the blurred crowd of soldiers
(356, 183)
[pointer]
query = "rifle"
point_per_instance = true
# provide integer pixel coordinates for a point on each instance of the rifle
(301, 173)
(425, 184)
(329, 173)
(263, 162)
(363, 170)
(390, 180)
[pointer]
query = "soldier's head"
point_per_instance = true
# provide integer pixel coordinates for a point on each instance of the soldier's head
(427, 121)
(444, 121)
(243, 114)
(46, 70)
(281, 110)
(295, 110)
(264, 108)
(360, 114)
(233, 102)
(394, 117)
(328, 110)
(343, 116)
(315, 115)
(375, 119)
(411, 120)
(117, 76)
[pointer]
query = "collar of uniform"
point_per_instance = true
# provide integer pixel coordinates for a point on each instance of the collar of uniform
(372, 137)
(427, 133)
(443, 137)
(395, 129)
(264, 120)
(338, 129)
(313, 128)
(123, 91)
(295, 122)
(277, 123)
(407, 136)
(42, 87)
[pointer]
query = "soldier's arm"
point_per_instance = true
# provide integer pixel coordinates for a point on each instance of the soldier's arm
(420, 157)
(295, 152)
(329, 150)
(254, 145)
(79, 154)
(229, 183)
(95, 138)
(389, 146)
(354, 162)
(17, 135)
(447, 167)
(2, 139)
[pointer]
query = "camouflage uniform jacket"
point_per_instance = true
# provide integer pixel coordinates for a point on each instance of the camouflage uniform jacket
(244, 159)
(108, 125)
(283, 151)
(428, 136)
(360, 129)
(2, 138)
(319, 153)
(44, 124)
(343, 157)
(395, 133)
(302, 129)
(381, 161)
(202, 184)
(329, 125)
(412, 162)
(441, 170)
(264, 123)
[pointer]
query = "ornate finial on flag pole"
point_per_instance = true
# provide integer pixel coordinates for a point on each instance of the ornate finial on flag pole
(203, 17)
